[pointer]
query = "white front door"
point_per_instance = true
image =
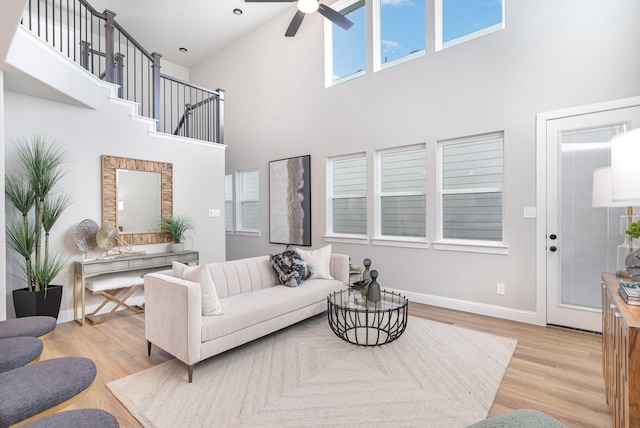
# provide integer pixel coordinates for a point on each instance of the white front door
(580, 241)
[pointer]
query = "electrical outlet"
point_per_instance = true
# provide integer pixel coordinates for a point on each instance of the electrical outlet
(500, 289)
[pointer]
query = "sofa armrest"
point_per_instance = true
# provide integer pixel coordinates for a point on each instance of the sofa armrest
(340, 267)
(173, 315)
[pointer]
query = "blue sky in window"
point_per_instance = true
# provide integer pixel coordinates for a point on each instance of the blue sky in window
(349, 46)
(460, 17)
(403, 29)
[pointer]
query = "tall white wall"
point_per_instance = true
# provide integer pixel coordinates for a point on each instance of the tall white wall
(552, 55)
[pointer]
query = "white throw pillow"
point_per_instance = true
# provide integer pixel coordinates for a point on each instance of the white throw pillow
(179, 269)
(319, 260)
(210, 303)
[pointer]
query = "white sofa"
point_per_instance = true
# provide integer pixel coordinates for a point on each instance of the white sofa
(252, 298)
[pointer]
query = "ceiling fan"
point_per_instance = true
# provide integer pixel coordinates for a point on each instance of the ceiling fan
(309, 6)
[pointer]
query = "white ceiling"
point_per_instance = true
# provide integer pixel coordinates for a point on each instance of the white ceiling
(201, 26)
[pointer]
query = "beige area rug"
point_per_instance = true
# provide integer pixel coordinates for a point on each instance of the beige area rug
(434, 375)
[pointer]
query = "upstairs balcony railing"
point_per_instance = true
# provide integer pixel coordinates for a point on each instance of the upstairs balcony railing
(99, 44)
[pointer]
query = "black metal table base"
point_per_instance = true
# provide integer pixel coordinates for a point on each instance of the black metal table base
(367, 323)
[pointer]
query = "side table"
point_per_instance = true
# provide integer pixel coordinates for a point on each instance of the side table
(363, 322)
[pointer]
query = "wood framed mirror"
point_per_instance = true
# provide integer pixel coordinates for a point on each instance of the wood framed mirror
(126, 172)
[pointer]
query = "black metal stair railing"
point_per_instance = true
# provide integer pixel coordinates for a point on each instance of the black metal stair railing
(100, 45)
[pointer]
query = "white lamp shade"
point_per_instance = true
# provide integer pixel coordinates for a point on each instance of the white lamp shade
(625, 166)
(602, 189)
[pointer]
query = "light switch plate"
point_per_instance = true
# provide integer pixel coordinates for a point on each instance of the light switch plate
(530, 212)
(213, 212)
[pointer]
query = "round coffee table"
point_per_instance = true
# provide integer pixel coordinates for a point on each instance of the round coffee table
(366, 323)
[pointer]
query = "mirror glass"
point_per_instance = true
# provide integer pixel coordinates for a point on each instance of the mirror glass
(135, 193)
(138, 200)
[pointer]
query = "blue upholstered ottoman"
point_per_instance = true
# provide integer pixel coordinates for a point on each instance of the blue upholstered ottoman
(27, 326)
(18, 351)
(27, 391)
(82, 418)
(523, 418)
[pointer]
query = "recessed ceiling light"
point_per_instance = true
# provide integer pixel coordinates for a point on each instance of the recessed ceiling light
(237, 11)
(183, 49)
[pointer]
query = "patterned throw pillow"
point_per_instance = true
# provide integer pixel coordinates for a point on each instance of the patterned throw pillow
(291, 268)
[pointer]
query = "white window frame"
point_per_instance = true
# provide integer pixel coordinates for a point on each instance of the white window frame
(377, 42)
(328, 47)
(330, 236)
(226, 201)
(240, 228)
(440, 45)
(386, 240)
(468, 245)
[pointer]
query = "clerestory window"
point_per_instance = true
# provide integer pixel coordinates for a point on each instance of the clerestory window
(400, 33)
(345, 55)
(459, 21)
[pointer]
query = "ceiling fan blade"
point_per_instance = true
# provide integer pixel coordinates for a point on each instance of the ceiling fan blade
(335, 17)
(295, 24)
(269, 1)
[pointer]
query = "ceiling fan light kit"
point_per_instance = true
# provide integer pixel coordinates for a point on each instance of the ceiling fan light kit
(309, 6)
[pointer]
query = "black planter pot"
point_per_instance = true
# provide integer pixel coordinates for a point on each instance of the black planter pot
(30, 303)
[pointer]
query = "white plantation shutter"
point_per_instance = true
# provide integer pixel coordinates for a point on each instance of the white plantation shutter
(472, 185)
(228, 202)
(403, 207)
(249, 200)
(348, 194)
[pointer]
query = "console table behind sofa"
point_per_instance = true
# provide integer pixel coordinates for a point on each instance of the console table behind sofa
(120, 264)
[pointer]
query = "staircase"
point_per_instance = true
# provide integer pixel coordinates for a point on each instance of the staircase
(95, 41)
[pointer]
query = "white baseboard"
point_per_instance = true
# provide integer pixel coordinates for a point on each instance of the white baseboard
(67, 314)
(473, 307)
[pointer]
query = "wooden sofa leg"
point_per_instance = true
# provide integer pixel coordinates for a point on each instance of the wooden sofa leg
(190, 370)
(148, 348)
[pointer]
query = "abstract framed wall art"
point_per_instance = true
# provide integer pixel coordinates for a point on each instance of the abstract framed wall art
(290, 201)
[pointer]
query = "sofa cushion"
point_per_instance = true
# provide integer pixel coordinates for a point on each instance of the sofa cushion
(245, 310)
(210, 303)
(292, 269)
(320, 261)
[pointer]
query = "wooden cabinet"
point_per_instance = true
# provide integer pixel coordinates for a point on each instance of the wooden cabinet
(620, 354)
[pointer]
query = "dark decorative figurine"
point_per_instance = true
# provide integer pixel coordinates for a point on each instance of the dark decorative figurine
(366, 275)
(373, 292)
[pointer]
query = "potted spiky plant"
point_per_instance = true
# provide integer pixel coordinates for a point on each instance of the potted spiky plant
(175, 226)
(32, 188)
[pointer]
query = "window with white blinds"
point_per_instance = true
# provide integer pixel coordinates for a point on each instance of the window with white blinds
(228, 202)
(401, 197)
(347, 195)
(471, 190)
(248, 201)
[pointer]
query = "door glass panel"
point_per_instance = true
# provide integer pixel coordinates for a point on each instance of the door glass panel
(589, 235)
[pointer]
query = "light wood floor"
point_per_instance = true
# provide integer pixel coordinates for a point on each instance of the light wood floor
(553, 370)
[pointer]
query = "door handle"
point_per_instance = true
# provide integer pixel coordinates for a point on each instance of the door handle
(553, 248)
